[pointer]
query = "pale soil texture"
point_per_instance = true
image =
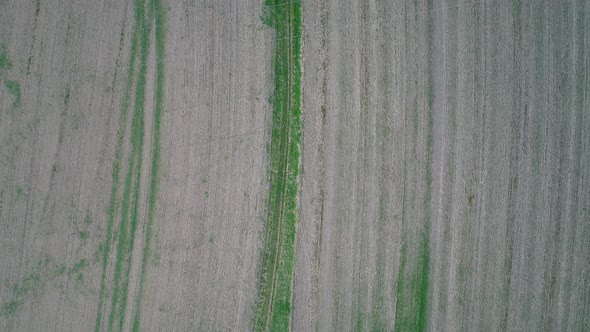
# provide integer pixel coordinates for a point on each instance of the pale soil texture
(443, 180)
(446, 163)
(62, 267)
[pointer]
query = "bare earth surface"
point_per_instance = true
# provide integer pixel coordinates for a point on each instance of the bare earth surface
(57, 153)
(212, 201)
(446, 157)
(444, 178)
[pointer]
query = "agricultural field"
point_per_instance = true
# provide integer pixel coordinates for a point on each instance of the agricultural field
(276, 165)
(446, 163)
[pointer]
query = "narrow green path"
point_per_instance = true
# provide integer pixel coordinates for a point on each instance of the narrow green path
(274, 308)
(105, 249)
(124, 208)
(154, 169)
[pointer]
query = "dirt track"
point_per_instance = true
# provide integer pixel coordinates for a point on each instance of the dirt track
(444, 177)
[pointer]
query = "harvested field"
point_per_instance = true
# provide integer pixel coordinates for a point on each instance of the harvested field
(294, 165)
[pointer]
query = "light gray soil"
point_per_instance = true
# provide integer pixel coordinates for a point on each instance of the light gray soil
(57, 149)
(499, 210)
(445, 166)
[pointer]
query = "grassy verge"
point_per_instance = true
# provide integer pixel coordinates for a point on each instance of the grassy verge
(274, 308)
(153, 184)
(129, 209)
(113, 206)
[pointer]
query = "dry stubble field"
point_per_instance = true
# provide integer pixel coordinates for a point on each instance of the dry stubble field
(330, 166)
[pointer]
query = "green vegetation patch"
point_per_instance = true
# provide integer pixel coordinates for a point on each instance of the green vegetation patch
(274, 307)
(10, 308)
(105, 248)
(39, 276)
(127, 210)
(154, 170)
(13, 88)
(130, 202)
(5, 62)
(83, 235)
(79, 266)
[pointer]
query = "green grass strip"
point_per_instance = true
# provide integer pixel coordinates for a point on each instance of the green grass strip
(113, 206)
(129, 214)
(153, 185)
(274, 307)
